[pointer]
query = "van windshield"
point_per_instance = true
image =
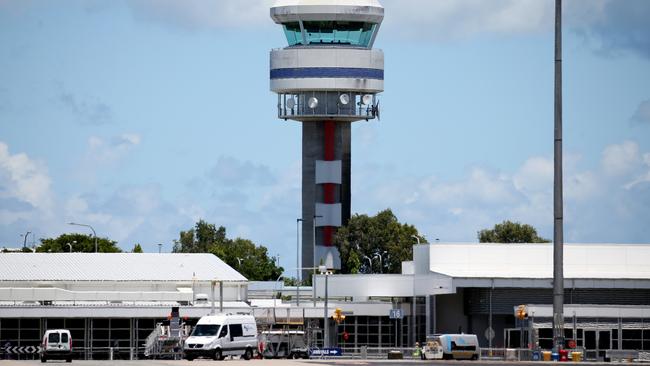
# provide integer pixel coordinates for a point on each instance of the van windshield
(205, 330)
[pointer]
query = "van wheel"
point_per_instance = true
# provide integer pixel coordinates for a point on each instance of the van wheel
(69, 359)
(43, 359)
(248, 354)
(217, 355)
(474, 357)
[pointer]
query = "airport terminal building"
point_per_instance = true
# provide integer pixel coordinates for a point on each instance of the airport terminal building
(116, 299)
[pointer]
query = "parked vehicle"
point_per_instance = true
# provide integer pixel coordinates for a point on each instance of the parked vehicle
(452, 346)
(283, 344)
(56, 345)
(218, 336)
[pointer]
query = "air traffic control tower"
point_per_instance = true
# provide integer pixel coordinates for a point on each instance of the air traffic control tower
(328, 77)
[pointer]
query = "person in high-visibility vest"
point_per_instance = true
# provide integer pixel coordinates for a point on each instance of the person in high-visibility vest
(417, 352)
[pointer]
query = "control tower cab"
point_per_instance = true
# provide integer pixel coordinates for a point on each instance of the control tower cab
(327, 77)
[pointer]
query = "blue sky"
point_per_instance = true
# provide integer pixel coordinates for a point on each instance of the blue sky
(141, 117)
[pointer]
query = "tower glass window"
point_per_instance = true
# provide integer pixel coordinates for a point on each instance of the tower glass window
(293, 33)
(330, 32)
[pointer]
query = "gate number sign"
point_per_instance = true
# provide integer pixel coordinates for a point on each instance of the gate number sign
(395, 314)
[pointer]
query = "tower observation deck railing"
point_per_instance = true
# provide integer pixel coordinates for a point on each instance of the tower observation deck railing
(327, 104)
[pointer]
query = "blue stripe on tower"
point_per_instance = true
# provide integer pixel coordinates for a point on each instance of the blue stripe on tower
(327, 72)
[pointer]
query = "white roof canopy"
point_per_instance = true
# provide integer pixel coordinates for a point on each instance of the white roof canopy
(178, 267)
(535, 261)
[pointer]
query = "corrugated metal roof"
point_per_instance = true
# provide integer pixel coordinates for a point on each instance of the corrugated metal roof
(581, 261)
(114, 267)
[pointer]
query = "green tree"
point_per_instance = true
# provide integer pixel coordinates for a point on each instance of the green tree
(79, 242)
(510, 232)
(252, 261)
(199, 239)
(137, 249)
(380, 239)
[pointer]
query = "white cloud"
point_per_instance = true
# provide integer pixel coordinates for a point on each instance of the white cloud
(201, 14)
(598, 207)
(620, 159)
(536, 174)
(24, 179)
(443, 19)
(102, 151)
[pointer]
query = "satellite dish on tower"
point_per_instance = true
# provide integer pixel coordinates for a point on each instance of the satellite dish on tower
(291, 103)
(366, 99)
(344, 99)
(313, 102)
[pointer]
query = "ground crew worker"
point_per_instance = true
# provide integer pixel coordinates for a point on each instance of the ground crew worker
(417, 352)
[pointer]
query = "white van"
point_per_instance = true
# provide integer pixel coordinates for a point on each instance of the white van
(452, 346)
(56, 345)
(221, 335)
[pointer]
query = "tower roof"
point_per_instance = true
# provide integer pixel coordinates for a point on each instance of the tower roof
(284, 11)
(374, 3)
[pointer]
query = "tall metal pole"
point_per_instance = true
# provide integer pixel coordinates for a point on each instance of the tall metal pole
(558, 237)
(298, 221)
(212, 283)
(313, 278)
(221, 297)
(490, 331)
(326, 334)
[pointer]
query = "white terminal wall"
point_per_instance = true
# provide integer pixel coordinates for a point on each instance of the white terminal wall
(441, 268)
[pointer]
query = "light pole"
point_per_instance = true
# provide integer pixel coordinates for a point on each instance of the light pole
(275, 293)
(239, 262)
(326, 341)
(381, 262)
(298, 221)
(313, 231)
(416, 238)
(159, 248)
(369, 260)
(313, 223)
(25, 239)
(91, 228)
(558, 200)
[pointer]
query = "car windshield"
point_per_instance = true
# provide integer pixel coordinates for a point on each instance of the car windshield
(205, 330)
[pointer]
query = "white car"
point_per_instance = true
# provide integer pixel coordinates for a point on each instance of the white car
(218, 336)
(56, 345)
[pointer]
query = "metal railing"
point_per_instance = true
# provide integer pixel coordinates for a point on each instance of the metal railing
(323, 104)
